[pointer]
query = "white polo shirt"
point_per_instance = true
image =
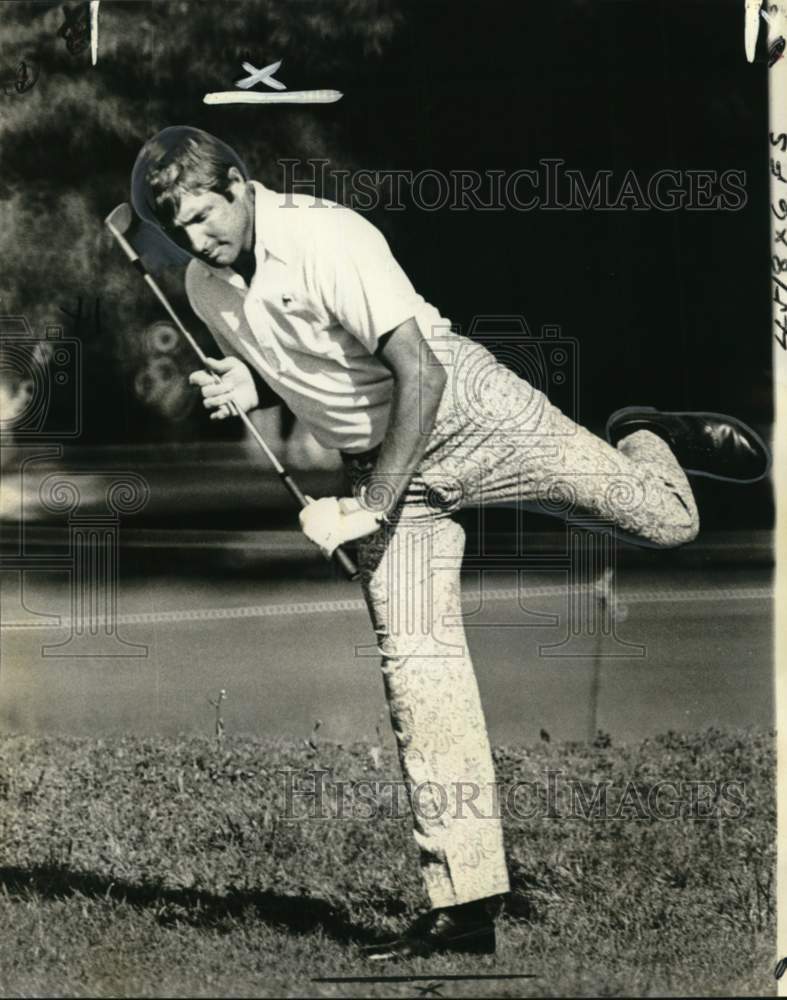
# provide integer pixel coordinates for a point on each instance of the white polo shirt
(325, 289)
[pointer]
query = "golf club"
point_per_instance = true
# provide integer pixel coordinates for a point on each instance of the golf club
(118, 222)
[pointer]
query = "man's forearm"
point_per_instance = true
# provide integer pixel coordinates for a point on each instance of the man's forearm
(413, 411)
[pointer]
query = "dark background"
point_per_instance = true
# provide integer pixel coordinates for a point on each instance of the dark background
(670, 309)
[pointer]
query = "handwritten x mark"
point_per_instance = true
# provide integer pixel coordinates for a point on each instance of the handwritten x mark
(780, 236)
(264, 75)
(430, 990)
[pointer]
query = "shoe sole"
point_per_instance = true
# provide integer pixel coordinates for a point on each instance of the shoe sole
(696, 413)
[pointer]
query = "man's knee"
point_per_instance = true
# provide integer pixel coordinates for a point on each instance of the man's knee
(429, 647)
(677, 531)
(685, 522)
(396, 648)
(685, 533)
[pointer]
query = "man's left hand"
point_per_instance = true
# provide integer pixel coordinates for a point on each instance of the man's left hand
(331, 522)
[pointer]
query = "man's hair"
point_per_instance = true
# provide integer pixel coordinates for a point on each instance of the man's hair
(179, 160)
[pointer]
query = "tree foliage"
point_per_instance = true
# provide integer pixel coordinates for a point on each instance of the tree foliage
(68, 145)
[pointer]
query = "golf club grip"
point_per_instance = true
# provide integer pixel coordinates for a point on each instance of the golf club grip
(341, 557)
(293, 487)
(346, 563)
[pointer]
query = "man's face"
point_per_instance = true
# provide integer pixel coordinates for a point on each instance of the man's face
(214, 227)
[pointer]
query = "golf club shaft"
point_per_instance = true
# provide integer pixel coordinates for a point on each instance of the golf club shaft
(348, 566)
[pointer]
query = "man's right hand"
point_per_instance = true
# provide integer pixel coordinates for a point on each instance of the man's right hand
(236, 384)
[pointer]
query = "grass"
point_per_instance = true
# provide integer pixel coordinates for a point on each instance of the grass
(142, 867)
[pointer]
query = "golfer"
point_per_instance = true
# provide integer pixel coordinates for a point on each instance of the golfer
(308, 296)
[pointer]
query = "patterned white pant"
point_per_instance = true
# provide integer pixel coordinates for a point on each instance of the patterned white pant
(496, 439)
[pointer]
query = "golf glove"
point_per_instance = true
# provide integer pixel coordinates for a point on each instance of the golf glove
(331, 522)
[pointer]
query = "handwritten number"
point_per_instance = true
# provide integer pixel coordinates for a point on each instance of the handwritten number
(780, 139)
(782, 207)
(776, 170)
(75, 29)
(781, 968)
(781, 340)
(779, 264)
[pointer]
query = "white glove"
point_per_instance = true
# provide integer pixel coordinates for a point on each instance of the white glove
(331, 522)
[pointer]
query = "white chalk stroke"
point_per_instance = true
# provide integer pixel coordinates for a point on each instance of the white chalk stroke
(752, 27)
(94, 31)
(244, 95)
(287, 97)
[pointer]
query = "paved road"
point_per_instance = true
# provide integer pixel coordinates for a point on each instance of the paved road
(288, 652)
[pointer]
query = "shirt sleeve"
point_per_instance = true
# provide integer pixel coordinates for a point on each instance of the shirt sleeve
(195, 281)
(265, 394)
(357, 278)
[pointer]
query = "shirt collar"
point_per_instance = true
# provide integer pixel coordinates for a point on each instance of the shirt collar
(270, 234)
(270, 230)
